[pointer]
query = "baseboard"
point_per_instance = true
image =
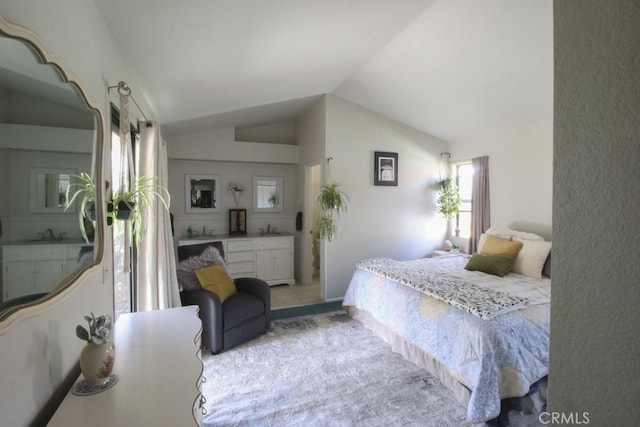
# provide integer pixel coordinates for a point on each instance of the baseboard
(305, 310)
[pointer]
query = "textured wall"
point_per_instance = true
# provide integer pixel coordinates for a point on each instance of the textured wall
(595, 350)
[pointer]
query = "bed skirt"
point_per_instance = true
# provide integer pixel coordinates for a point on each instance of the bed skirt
(532, 403)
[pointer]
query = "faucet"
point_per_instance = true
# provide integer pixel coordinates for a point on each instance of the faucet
(268, 228)
(49, 234)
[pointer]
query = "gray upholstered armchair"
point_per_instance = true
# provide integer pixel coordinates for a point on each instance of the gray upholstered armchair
(241, 317)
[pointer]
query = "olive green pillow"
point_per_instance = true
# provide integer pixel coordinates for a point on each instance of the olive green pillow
(216, 279)
(498, 265)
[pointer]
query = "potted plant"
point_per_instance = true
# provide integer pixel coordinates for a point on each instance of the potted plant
(449, 200)
(129, 204)
(84, 191)
(332, 201)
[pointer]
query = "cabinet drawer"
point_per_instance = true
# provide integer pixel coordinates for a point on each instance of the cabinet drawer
(274, 243)
(240, 267)
(32, 253)
(239, 257)
(239, 245)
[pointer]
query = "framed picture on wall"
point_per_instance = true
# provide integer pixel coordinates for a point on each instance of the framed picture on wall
(385, 168)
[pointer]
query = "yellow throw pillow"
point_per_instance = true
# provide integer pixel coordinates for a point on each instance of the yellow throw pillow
(496, 246)
(215, 279)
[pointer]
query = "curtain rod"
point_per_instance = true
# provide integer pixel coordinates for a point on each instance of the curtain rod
(124, 89)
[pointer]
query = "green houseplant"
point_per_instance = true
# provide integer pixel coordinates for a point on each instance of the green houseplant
(449, 200)
(129, 204)
(332, 201)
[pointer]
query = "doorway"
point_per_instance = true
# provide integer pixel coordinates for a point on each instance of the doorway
(309, 288)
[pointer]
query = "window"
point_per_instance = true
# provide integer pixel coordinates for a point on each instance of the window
(463, 173)
(124, 282)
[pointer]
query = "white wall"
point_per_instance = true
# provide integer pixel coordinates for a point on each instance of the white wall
(40, 352)
(311, 135)
(520, 174)
(398, 222)
(595, 350)
(220, 145)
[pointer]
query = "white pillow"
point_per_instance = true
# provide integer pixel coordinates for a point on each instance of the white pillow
(531, 257)
(510, 234)
(481, 240)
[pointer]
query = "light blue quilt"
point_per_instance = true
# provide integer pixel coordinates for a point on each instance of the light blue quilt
(495, 359)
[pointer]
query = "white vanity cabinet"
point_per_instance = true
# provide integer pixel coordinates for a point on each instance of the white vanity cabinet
(36, 268)
(267, 257)
(30, 269)
(274, 260)
(239, 255)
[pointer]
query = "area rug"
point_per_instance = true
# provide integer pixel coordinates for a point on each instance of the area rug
(323, 370)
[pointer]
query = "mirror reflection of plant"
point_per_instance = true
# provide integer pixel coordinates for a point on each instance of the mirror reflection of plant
(273, 199)
(449, 199)
(332, 201)
(83, 190)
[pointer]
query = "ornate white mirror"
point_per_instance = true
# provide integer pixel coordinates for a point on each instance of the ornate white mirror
(48, 133)
(202, 193)
(267, 194)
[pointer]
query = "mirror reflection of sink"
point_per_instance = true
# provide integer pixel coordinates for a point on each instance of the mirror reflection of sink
(53, 242)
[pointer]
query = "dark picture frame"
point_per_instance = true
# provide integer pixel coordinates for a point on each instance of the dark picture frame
(385, 168)
(237, 221)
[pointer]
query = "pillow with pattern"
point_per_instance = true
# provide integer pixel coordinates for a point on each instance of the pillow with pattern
(185, 269)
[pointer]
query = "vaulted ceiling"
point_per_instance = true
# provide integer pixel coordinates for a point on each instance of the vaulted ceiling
(451, 68)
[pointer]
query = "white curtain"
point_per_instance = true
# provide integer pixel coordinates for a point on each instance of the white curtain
(157, 284)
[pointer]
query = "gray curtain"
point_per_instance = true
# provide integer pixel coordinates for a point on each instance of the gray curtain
(480, 209)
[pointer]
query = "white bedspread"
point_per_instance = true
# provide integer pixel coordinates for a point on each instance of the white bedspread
(424, 276)
(495, 359)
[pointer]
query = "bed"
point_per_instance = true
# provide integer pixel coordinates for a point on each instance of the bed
(486, 354)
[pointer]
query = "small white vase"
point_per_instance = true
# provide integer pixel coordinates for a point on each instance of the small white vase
(236, 196)
(96, 362)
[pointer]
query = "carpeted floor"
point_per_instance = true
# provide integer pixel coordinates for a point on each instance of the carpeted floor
(324, 370)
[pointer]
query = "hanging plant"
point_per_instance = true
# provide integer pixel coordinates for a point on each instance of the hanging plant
(129, 205)
(449, 200)
(332, 201)
(327, 228)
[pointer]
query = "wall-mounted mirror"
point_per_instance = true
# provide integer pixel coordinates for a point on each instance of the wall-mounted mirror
(267, 194)
(48, 133)
(202, 193)
(49, 188)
